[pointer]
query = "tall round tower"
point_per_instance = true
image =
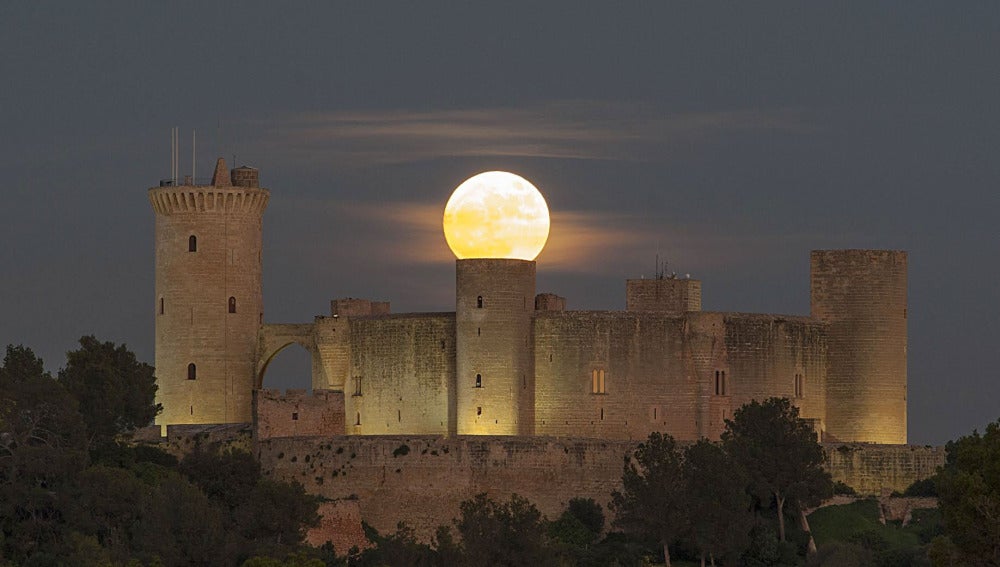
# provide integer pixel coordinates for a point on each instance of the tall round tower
(861, 295)
(495, 302)
(208, 303)
(496, 223)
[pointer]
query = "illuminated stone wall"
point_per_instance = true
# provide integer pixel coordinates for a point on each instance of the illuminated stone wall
(297, 413)
(659, 370)
(422, 479)
(861, 294)
(666, 294)
(647, 384)
(764, 354)
(406, 368)
(191, 309)
(494, 385)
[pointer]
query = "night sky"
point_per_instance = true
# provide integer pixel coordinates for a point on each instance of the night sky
(730, 140)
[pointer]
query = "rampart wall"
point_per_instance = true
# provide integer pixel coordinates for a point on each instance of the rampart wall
(402, 374)
(422, 479)
(624, 374)
(297, 413)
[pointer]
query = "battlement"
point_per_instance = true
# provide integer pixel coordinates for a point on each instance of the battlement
(208, 199)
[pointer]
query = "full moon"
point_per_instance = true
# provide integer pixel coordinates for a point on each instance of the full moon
(496, 214)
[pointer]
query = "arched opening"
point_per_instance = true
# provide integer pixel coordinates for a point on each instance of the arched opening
(289, 367)
(479, 302)
(192, 243)
(192, 371)
(232, 305)
(479, 380)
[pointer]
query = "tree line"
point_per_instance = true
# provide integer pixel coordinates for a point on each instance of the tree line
(74, 491)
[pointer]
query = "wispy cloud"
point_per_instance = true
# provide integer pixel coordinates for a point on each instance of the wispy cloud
(588, 130)
(581, 242)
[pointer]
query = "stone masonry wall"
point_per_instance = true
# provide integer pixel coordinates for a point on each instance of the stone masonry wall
(402, 374)
(195, 322)
(667, 294)
(622, 375)
(422, 479)
(861, 294)
(764, 354)
(870, 469)
(641, 356)
(297, 413)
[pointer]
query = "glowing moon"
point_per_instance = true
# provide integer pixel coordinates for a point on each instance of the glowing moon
(496, 214)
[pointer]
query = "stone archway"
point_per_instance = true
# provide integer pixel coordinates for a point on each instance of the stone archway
(273, 338)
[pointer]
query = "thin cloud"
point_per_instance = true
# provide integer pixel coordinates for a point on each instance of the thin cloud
(586, 130)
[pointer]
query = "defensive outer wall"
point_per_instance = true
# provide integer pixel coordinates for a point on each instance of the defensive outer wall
(422, 479)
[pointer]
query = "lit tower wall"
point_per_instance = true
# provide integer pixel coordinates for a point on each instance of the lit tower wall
(861, 295)
(208, 304)
(494, 362)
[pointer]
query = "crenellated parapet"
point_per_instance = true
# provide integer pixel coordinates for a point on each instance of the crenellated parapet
(209, 199)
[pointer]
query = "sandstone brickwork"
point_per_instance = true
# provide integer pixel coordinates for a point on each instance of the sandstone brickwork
(340, 525)
(495, 380)
(663, 294)
(861, 295)
(402, 374)
(296, 413)
(422, 479)
(207, 303)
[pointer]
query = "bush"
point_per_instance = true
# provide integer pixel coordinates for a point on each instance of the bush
(843, 489)
(925, 487)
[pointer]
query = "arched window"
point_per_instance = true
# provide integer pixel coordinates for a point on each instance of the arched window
(192, 371)
(358, 420)
(479, 302)
(161, 306)
(232, 305)
(192, 243)
(479, 380)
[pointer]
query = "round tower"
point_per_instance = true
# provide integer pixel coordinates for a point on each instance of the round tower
(861, 295)
(495, 302)
(208, 303)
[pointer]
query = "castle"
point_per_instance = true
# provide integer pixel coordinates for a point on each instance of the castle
(509, 361)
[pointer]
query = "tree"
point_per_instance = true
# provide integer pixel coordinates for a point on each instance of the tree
(115, 391)
(509, 533)
(780, 453)
(652, 501)
(720, 508)
(42, 450)
(968, 489)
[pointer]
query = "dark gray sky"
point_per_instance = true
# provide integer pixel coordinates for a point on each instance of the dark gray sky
(731, 139)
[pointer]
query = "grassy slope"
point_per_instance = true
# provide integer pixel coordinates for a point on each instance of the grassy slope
(859, 521)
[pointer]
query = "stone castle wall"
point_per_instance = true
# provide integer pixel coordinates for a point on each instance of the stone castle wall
(615, 375)
(422, 479)
(402, 374)
(622, 375)
(296, 413)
